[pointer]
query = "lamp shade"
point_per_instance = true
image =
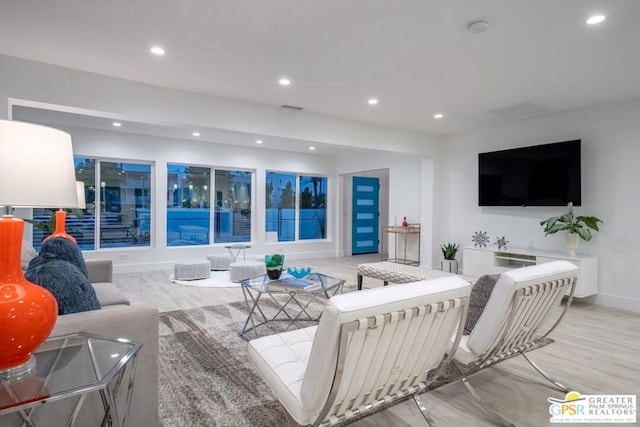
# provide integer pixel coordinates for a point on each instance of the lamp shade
(82, 202)
(36, 166)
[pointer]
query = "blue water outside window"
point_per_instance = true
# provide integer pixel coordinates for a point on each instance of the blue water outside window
(188, 205)
(232, 218)
(313, 207)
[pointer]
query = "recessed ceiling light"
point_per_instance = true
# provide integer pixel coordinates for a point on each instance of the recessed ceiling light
(117, 124)
(258, 141)
(372, 101)
(157, 50)
(438, 116)
(196, 134)
(312, 148)
(596, 19)
(284, 81)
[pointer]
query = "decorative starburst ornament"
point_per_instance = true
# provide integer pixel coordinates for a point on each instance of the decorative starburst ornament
(502, 243)
(480, 239)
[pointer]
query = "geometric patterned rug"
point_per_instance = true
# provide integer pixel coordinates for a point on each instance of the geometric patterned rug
(206, 378)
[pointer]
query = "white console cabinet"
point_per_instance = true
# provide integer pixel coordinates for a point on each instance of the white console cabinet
(479, 261)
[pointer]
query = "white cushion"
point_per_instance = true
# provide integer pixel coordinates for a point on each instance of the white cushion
(241, 270)
(27, 254)
(495, 312)
(282, 360)
(464, 354)
(220, 262)
(192, 270)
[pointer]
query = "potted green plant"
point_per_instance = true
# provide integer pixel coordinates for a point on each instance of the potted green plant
(274, 264)
(576, 227)
(449, 263)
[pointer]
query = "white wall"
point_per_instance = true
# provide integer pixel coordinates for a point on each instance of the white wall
(407, 189)
(24, 81)
(126, 100)
(610, 177)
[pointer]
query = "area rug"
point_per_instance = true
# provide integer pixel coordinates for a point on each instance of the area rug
(218, 279)
(206, 378)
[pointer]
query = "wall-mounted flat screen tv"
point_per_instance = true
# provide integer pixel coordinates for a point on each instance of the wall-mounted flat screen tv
(541, 175)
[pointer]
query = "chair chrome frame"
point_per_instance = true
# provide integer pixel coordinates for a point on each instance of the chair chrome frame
(530, 308)
(411, 333)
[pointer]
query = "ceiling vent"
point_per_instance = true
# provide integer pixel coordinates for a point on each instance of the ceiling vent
(291, 107)
(519, 110)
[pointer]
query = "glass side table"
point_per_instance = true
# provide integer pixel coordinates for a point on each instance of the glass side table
(235, 249)
(73, 367)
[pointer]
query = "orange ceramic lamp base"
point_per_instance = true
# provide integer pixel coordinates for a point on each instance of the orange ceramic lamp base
(28, 312)
(61, 220)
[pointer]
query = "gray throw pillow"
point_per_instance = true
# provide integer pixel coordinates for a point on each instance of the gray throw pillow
(65, 281)
(478, 299)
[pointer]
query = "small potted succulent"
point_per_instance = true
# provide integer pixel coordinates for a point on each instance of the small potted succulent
(576, 227)
(274, 264)
(449, 263)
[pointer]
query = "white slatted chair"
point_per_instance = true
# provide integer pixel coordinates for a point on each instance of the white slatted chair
(514, 320)
(370, 348)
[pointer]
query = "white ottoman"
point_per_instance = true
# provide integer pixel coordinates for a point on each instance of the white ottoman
(220, 262)
(192, 270)
(240, 270)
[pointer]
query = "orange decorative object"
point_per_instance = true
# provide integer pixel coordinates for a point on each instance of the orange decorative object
(28, 312)
(404, 222)
(61, 220)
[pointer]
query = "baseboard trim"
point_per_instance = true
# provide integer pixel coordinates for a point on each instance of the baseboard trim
(615, 301)
(168, 265)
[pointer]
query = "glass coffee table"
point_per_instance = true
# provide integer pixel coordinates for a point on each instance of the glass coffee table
(290, 298)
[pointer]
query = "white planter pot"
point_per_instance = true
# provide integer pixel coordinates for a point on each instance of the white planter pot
(572, 241)
(449, 265)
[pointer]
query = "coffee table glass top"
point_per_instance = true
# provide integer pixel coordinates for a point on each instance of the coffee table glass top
(313, 283)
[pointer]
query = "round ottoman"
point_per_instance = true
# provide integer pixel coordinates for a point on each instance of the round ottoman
(220, 262)
(240, 270)
(192, 270)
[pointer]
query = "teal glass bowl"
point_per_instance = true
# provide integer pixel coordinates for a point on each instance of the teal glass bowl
(299, 273)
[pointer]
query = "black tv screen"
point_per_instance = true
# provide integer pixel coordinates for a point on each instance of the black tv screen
(541, 175)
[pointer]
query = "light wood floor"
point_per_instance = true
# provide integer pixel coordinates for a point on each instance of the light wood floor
(596, 351)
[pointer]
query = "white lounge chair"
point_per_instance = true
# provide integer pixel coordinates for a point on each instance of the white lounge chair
(514, 320)
(370, 348)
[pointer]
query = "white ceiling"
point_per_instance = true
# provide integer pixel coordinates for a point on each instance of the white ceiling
(416, 57)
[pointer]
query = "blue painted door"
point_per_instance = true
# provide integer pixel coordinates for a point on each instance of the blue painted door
(364, 234)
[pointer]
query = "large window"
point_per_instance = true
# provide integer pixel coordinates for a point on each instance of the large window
(313, 207)
(233, 206)
(125, 204)
(280, 203)
(121, 201)
(188, 205)
(80, 222)
(287, 214)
